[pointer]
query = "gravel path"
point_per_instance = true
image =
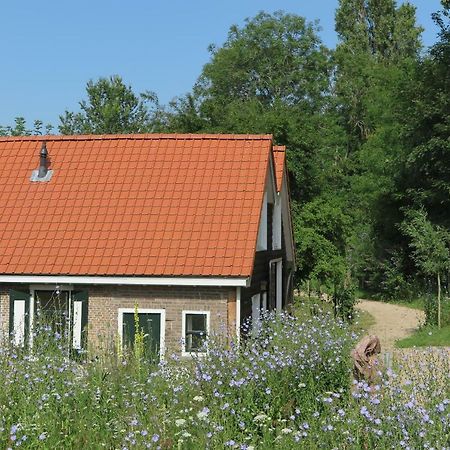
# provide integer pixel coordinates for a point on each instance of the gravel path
(392, 322)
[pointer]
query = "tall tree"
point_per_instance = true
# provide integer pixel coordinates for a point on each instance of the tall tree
(375, 58)
(272, 58)
(20, 128)
(372, 34)
(270, 76)
(422, 182)
(112, 107)
(425, 178)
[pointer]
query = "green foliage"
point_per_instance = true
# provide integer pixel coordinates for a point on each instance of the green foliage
(321, 233)
(138, 344)
(272, 58)
(425, 178)
(429, 336)
(20, 128)
(232, 397)
(431, 308)
(112, 107)
(378, 28)
(429, 244)
(344, 300)
(372, 35)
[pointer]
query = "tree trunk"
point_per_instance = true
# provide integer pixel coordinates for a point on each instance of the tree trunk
(439, 299)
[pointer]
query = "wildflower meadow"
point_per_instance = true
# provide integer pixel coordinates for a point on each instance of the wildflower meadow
(288, 386)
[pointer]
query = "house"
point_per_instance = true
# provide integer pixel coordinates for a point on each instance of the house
(192, 230)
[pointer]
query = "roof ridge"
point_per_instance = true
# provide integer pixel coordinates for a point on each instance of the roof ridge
(143, 136)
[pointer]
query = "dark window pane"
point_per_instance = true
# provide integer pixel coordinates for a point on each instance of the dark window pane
(149, 325)
(53, 310)
(195, 332)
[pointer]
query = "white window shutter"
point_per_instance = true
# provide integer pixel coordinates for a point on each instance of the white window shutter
(77, 324)
(19, 304)
(19, 323)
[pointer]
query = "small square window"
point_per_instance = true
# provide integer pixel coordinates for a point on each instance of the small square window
(195, 331)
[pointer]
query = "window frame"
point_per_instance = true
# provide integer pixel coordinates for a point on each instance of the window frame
(184, 313)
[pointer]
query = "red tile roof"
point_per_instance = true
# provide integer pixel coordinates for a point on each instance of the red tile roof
(144, 205)
(279, 156)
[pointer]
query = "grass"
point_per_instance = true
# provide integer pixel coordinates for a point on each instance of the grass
(427, 337)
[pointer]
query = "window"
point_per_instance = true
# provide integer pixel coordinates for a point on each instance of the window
(276, 284)
(53, 309)
(195, 331)
(62, 310)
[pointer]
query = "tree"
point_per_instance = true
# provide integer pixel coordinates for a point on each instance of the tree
(322, 232)
(421, 180)
(273, 57)
(270, 76)
(20, 128)
(425, 177)
(430, 248)
(372, 34)
(112, 107)
(375, 60)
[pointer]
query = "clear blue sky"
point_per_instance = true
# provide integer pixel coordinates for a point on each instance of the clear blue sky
(50, 49)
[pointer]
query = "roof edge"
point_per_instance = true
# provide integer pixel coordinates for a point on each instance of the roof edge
(132, 281)
(144, 136)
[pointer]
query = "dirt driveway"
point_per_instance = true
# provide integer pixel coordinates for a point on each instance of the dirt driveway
(392, 322)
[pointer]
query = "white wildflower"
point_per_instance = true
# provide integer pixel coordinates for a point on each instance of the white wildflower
(202, 415)
(180, 422)
(260, 418)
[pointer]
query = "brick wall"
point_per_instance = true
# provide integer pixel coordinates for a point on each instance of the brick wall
(4, 308)
(105, 301)
(4, 311)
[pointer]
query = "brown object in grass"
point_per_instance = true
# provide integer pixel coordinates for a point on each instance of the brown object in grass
(365, 359)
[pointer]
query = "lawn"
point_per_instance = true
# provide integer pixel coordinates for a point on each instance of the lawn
(427, 336)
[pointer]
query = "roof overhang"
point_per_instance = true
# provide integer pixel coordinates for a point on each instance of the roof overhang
(132, 281)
